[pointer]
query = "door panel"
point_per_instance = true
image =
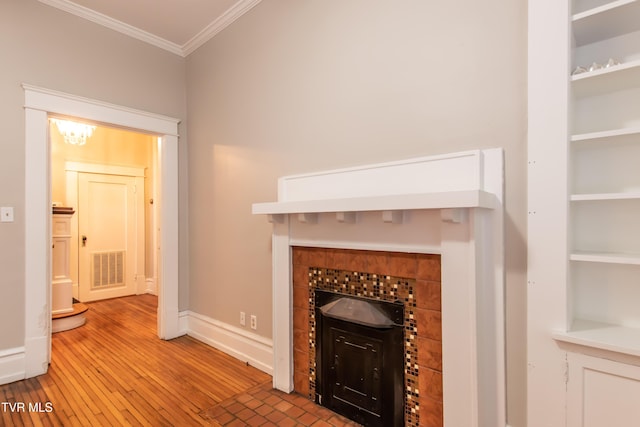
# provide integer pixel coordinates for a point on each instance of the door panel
(108, 236)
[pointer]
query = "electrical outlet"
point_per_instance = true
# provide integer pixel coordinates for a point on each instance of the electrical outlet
(254, 321)
(243, 320)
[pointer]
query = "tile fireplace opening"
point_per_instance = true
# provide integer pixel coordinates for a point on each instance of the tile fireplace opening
(359, 352)
(409, 278)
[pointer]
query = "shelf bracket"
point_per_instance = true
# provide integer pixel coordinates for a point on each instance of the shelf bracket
(275, 218)
(393, 217)
(308, 218)
(346, 217)
(454, 216)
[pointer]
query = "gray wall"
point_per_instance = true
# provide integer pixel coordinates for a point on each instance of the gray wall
(297, 86)
(43, 46)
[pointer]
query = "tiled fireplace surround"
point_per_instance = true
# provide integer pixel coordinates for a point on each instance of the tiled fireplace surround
(423, 332)
(376, 215)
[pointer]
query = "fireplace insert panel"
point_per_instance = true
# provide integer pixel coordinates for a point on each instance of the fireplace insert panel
(360, 373)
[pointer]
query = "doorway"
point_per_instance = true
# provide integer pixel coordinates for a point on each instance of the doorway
(40, 103)
(110, 182)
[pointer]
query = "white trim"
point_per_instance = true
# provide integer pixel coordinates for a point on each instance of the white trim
(245, 346)
(333, 244)
(183, 322)
(12, 364)
(104, 169)
(65, 104)
(435, 200)
(210, 31)
(114, 24)
(39, 103)
(449, 173)
(150, 287)
(222, 22)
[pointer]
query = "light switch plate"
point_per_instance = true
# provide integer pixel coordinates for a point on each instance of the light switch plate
(6, 214)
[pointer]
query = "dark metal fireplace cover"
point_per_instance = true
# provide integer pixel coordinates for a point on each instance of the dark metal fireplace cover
(359, 360)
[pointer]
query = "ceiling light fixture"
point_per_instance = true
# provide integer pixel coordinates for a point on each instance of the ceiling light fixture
(74, 133)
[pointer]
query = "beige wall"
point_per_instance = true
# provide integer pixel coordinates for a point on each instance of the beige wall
(297, 86)
(46, 47)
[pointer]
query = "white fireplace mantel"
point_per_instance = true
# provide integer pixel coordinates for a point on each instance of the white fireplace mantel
(449, 204)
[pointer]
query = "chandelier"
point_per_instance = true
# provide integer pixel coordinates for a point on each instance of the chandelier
(73, 132)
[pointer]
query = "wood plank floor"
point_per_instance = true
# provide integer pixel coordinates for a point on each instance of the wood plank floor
(115, 371)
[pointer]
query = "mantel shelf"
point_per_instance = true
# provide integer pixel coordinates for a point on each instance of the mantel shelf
(443, 200)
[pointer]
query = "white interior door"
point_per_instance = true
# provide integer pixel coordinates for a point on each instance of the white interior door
(109, 229)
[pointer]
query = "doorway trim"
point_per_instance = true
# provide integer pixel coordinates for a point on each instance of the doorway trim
(39, 104)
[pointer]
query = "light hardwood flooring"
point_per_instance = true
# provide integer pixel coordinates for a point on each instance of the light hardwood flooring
(115, 371)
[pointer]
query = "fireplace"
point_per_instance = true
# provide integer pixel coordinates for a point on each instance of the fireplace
(359, 357)
(408, 278)
(446, 207)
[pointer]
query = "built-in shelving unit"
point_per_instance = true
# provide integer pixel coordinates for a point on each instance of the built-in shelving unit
(609, 20)
(583, 240)
(604, 178)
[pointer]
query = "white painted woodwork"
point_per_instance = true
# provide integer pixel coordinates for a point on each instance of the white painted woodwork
(39, 103)
(602, 392)
(247, 346)
(450, 205)
(61, 283)
(111, 217)
(12, 365)
(584, 201)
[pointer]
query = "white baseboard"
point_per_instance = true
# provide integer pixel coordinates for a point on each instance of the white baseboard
(12, 365)
(246, 346)
(37, 355)
(183, 322)
(150, 286)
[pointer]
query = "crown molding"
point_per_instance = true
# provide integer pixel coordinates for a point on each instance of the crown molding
(222, 22)
(114, 24)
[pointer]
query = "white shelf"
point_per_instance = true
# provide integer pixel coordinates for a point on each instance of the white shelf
(606, 80)
(614, 133)
(607, 21)
(442, 200)
(604, 336)
(607, 258)
(604, 196)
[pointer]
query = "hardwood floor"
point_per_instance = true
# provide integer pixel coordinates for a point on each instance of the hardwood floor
(115, 371)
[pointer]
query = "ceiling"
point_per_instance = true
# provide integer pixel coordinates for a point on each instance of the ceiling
(179, 26)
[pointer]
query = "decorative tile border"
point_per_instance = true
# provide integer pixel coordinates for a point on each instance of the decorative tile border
(380, 287)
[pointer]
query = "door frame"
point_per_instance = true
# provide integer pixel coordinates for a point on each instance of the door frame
(39, 104)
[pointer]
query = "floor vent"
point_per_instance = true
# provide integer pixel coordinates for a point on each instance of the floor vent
(107, 269)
